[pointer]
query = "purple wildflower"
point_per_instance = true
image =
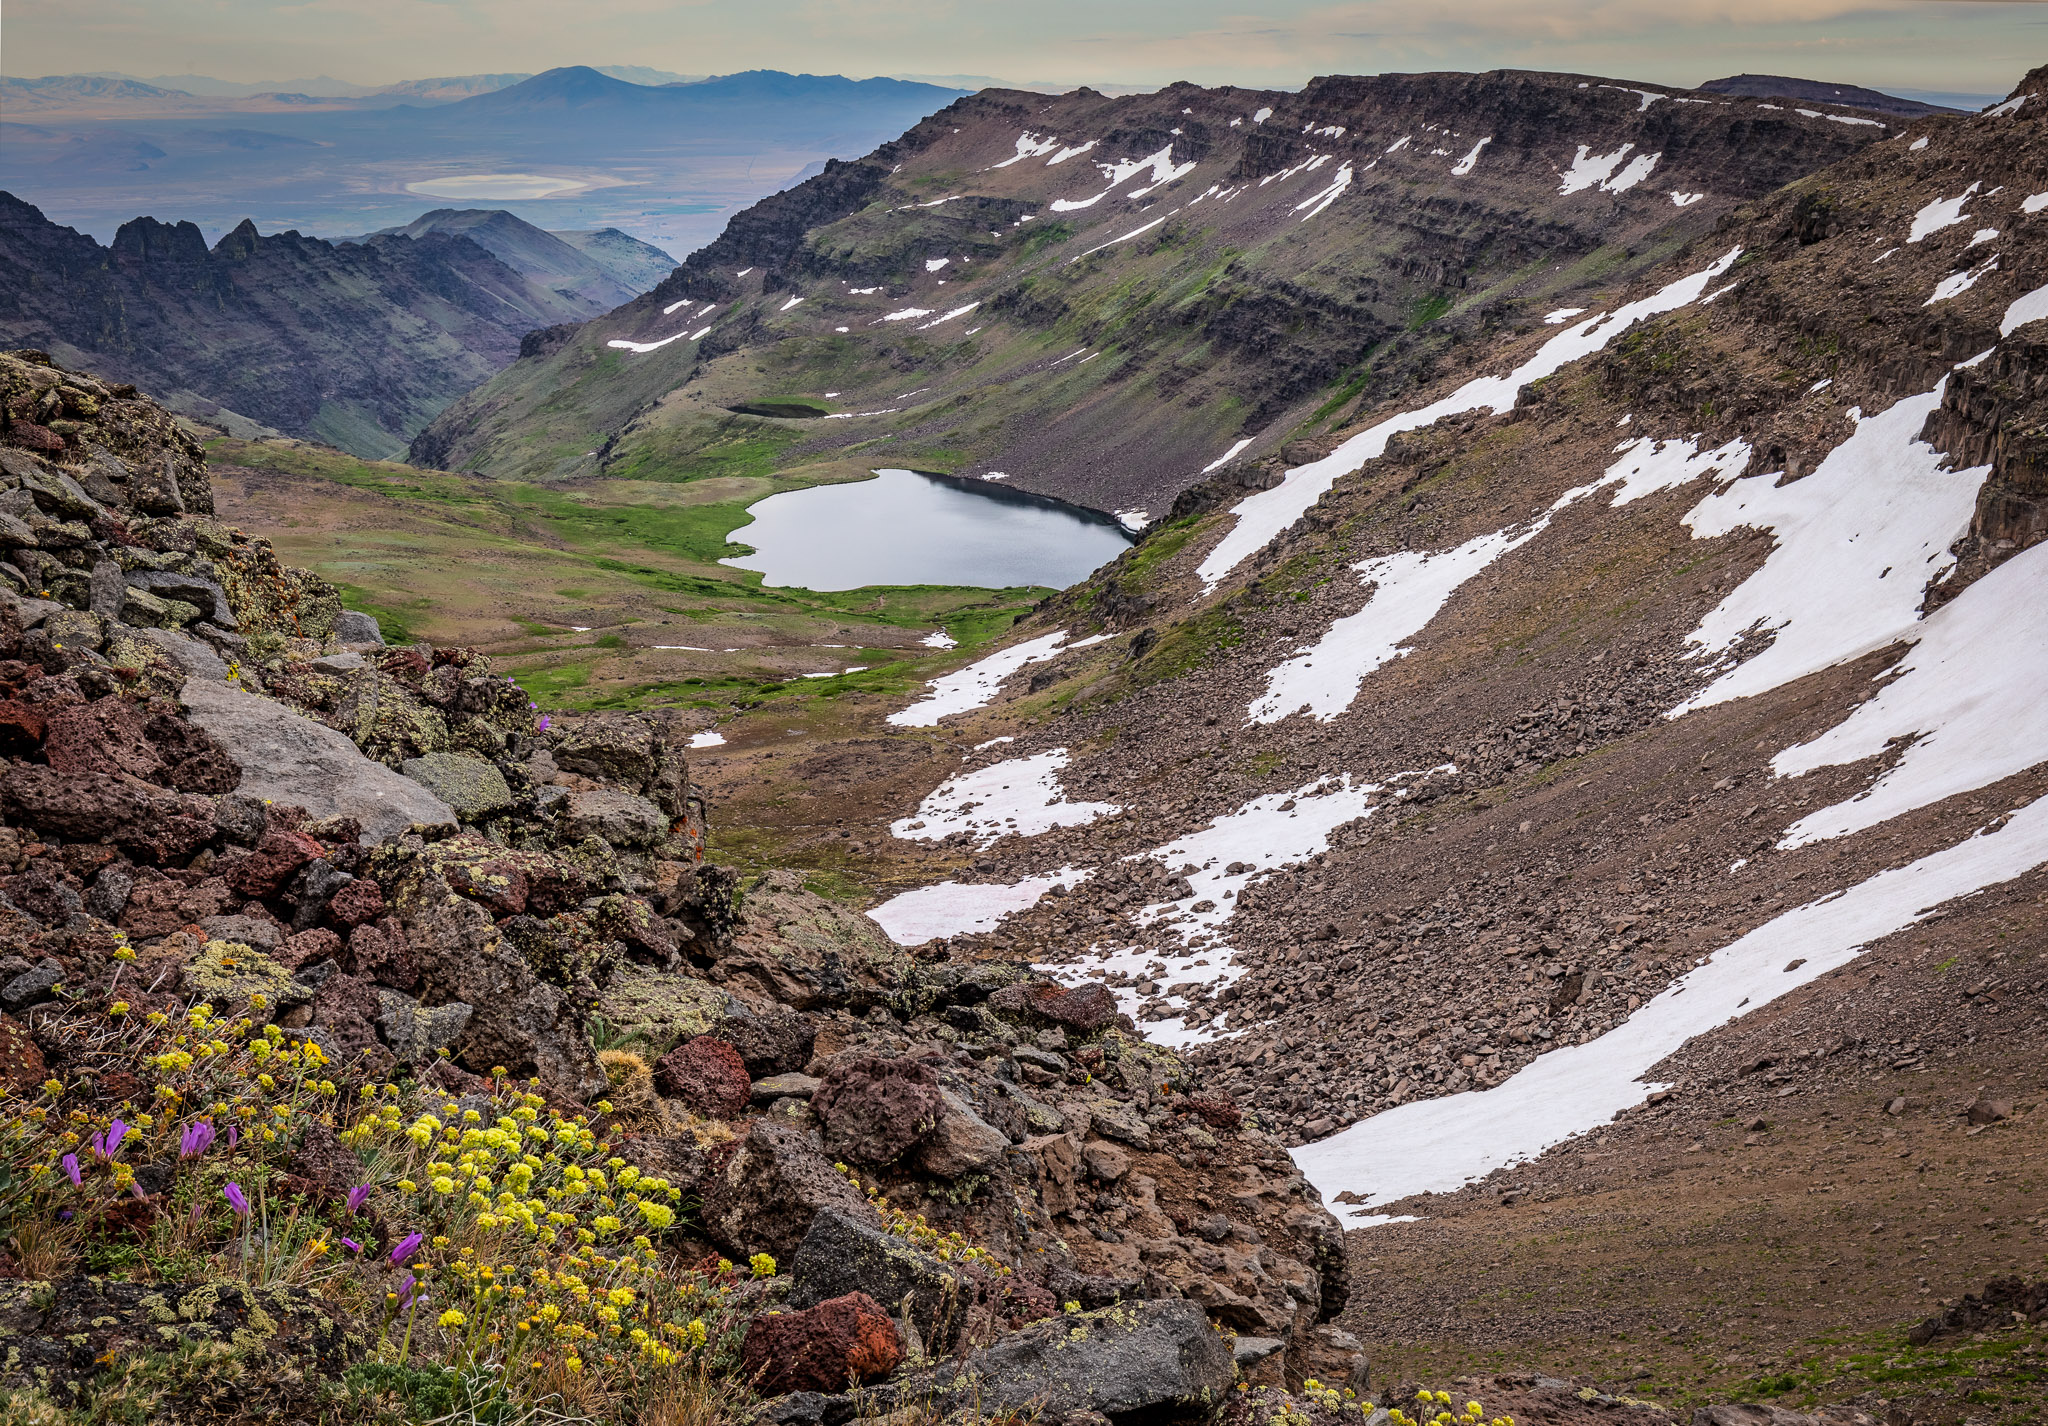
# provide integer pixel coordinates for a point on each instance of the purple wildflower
(71, 1171)
(357, 1196)
(234, 1134)
(407, 1246)
(195, 1140)
(352, 1245)
(116, 1132)
(236, 1201)
(545, 722)
(405, 1290)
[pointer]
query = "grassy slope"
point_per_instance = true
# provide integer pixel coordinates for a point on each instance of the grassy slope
(573, 587)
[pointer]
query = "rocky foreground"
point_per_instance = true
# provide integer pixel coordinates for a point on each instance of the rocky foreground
(272, 887)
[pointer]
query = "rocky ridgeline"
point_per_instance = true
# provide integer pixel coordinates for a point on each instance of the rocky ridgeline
(220, 787)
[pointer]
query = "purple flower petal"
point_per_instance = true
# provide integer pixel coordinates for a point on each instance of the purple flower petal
(407, 1246)
(116, 1132)
(235, 1198)
(352, 1245)
(357, 1196)
(71, 1171)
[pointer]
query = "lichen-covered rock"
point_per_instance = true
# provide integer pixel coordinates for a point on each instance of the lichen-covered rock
(838, 1343)
(473, 786)
(227, 973)
(840, 1255)
(274, 1346)
(416, 1032)
(1158, 1357)
(522, 1022)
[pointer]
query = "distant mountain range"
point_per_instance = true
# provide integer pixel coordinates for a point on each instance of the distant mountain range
(67, 91)
(573, 149)
(357, 344)
(597, 269)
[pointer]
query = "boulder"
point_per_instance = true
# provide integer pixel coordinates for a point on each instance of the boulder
(522, 1022)
(471, 785)
(622, 818)
(772, 1188)
(772, 1042)
(828, 1347)
(63, 1335)
(641, 751)
(197, 659)
(202, 594)
(289, 758)
(783, 1086)
(1159, 1357)
(961, 1142)
(876, 1110)
(355, 627)
(416, 1033)
(707, 1075)
(841, 1255)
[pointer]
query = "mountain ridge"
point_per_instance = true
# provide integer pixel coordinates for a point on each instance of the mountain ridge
(357, 344)
(1254, 312)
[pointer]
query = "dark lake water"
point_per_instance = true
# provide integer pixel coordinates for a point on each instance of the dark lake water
(906, 528)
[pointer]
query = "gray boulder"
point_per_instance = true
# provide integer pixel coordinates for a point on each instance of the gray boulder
(1158, 1357)
(197, 659)
(355, 627)
(962, 1142)
(416, 1032)
(621, 818)
(473, 786)
(841, 1255)
(290, 759)
(771, 1191)
(202, 594)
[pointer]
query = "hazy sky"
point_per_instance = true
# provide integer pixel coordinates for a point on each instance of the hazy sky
(1963, 45)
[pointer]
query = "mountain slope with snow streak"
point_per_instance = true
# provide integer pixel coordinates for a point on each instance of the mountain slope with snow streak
(1668, 677)
(1170, 243)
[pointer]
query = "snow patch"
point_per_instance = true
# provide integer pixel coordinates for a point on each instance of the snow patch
(1957, 283)
(1438, 1145)
(1684, 200)
(2030, 308)
(1262, 516)
(1317, 202)
(1941, 213)
(1028, 146)
(1562, 315)
(642, 348)
(1411, 587)
(792, 302)
(711, 738)
(976, 685)
(1471, 160)
(1016, 797)
(1591, 170)
(1968, 695)
(958, 908)
(939, 639)
(1232, 454)
(1858, 542)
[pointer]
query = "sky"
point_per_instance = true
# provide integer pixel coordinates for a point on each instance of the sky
(1969, 46)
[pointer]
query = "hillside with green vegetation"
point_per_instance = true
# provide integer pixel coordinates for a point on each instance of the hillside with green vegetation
(599, 594)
